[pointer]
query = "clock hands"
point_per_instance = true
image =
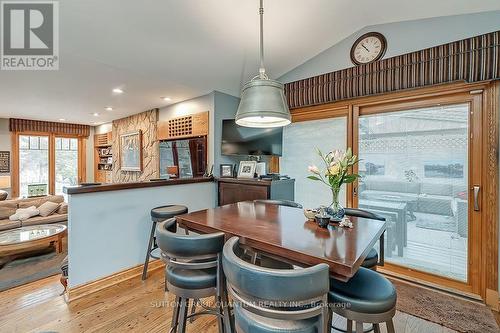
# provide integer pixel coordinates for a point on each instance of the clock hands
(363, 45)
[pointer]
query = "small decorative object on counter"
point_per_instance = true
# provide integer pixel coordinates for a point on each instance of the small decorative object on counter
(322, 218)
(310, 213)
(346, 223)
(338, 172)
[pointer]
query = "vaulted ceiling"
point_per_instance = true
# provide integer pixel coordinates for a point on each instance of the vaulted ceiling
(183, 49)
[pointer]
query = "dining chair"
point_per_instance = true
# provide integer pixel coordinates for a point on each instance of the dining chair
(193, 271)
(287, 203)
(368, 297)
(372, 259)
(269, 300)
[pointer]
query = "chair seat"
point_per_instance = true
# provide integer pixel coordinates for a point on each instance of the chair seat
(251, 322)
(163, 213)
(366, 292)
(192, 278)
(268, 262)
(371, 259)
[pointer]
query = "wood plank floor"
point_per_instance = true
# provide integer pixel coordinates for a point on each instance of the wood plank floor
(133, 306)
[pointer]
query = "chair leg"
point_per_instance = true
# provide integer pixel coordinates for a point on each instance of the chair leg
(175, 314)
(226, 312)
(390, 326)
(349, 326)
(193, 310)
(183, 314)
(220, 320)
(146, 262)
(376, 328)
(359, 327)
(329, 321)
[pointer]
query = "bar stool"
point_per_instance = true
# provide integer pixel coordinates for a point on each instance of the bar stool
(160, 214)
(194, 271)
(368, 297)
(270, 300)
(372, 259)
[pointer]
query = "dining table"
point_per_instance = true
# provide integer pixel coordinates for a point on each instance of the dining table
(285, 233)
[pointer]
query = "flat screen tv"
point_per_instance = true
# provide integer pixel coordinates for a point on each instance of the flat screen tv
(239, 140)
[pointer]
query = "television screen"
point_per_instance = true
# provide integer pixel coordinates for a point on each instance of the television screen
(239, 140)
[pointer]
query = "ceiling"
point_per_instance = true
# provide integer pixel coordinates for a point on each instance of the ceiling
(184, 49)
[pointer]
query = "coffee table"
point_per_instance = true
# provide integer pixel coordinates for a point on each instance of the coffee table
(26, 238)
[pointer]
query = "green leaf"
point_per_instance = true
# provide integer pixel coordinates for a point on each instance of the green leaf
(313, 178)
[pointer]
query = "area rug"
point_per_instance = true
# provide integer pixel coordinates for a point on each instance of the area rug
(454, 313)
(24, 270)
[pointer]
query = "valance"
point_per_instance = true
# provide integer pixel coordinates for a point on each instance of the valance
(26, 125)
(471, 60)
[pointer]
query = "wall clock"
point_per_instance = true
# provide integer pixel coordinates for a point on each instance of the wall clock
(368, 48)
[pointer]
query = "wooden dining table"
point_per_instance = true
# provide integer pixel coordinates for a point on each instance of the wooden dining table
(285, 233)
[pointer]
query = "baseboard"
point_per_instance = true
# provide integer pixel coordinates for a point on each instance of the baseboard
(492, 299)
(109, 281)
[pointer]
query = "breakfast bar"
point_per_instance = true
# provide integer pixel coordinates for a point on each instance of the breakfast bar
(109, 224)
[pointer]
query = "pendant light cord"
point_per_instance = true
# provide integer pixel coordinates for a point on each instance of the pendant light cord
(262, 70)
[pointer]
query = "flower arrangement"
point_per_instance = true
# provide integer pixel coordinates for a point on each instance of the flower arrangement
(337, 172)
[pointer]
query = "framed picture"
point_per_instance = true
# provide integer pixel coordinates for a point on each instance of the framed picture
(4, 161)
(131, 151)
(247, 169)
(226, 170)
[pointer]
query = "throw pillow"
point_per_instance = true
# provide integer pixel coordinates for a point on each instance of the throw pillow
(48, 208)
(63, 208)
(23, 214)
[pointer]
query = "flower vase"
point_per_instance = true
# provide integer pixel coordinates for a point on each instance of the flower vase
(335, 210)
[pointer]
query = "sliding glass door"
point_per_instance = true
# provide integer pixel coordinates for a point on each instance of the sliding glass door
(420, 167)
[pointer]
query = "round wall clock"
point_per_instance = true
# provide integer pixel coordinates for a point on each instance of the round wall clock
(368, 48)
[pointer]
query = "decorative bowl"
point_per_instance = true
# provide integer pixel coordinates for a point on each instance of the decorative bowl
(310, 213)
(323, 221)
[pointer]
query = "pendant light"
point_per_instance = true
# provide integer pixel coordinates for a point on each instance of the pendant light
(263, 101)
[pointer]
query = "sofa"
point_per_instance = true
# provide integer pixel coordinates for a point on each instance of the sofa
(432, 198)
(9, 207)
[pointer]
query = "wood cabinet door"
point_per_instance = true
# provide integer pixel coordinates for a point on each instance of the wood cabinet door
(232, 193)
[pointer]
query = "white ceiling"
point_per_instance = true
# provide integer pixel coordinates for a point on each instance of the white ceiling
(186, 48)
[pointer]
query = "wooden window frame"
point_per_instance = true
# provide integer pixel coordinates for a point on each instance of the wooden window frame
(485, 98)
(52, 155)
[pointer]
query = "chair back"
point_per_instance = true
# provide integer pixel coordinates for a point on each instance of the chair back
(287, 203)
(187, 246)
(275, 293)
(363, 213)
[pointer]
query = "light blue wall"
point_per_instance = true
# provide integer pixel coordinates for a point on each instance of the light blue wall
(402, 37)
(225, 108)
(108, 231)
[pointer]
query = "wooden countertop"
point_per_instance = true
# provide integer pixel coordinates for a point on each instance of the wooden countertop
(253, 181)
(126, 186)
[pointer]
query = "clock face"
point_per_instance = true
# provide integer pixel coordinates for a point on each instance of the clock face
(368, 48)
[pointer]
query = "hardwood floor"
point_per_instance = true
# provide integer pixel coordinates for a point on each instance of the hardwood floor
(132, 305)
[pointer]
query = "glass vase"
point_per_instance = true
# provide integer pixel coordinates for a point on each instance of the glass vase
(335, 210)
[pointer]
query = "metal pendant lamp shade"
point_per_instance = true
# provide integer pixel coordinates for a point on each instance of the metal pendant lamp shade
(263, 102)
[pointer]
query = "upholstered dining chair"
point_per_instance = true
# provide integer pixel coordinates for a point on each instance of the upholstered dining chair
(193, 271)
(368, 297)
(269, 300)
(372, 259)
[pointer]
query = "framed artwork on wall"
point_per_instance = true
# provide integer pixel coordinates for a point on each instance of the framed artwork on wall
(131, 151)
(4, 161)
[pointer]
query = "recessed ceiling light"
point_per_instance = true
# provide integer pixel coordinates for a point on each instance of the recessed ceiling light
(62, 119)
(108, 108)
(95, 114)
(166, 99)
(118, 91)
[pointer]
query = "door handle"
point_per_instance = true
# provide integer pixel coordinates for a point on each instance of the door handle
(476, 189)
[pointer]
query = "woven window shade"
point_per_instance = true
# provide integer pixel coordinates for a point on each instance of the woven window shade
(26, 125)
(471, 60)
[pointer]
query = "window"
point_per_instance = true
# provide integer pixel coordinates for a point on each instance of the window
(46, 163)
